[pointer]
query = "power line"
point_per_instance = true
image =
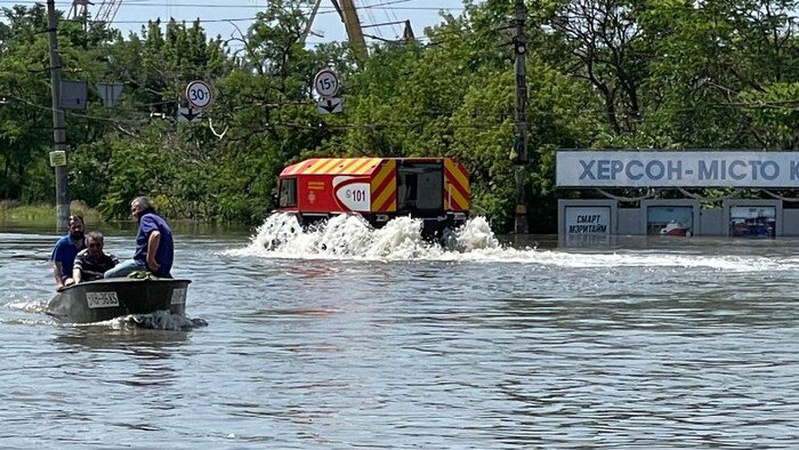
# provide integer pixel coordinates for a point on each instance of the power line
(164, 22)
(323, 9)
(389, 7)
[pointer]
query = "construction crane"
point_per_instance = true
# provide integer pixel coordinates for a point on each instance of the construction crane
(349, 15)
(79, 9)
(108, 10)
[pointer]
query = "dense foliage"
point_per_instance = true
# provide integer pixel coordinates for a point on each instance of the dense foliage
(613, 74)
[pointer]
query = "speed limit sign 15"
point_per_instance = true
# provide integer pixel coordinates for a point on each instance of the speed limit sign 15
(199, 95)
(326, 83)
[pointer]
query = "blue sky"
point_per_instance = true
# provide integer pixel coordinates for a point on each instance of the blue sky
(222, 18)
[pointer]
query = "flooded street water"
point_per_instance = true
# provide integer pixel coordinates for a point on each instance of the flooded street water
(349, 338)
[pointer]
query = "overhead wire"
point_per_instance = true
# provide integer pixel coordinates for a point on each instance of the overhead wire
(325, 9)
(388, 7)
(392, 17)
(365, 8)
(758, 105)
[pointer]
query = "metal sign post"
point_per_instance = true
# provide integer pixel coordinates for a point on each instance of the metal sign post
(199, 97)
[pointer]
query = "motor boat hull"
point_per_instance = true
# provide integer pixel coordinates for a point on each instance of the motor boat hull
(96, 301)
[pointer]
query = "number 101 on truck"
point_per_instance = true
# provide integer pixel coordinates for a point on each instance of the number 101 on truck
(435, 190)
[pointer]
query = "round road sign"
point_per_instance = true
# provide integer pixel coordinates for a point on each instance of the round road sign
(326, 83)
(198, 94)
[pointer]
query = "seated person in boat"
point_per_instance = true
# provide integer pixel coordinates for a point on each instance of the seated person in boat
(92, 262)
(155, 249)
(65, 250)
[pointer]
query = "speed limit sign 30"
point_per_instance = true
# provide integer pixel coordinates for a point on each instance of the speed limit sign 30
(199, 95)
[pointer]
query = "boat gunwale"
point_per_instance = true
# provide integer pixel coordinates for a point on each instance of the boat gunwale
(118, 281)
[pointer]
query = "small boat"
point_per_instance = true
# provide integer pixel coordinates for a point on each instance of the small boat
(675, 228)
(96, 301)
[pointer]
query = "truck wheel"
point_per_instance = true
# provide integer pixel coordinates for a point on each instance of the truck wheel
(449, 239)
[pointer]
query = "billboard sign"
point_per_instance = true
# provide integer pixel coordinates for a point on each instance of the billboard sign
(674, 169)
(753, 221)
(586, 223)
(670, 220)
(587, 220)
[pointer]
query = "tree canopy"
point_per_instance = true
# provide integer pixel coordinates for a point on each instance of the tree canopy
(612, 74)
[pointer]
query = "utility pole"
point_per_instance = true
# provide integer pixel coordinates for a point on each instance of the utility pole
(58, 156)
(520, 146)
(349, 15)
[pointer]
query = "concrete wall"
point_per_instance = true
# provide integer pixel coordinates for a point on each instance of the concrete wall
(790, 222)
(630, 221)
(712, 222)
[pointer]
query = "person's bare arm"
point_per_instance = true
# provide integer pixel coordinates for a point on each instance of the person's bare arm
(152, 248)
(76, 274)
(59, 283)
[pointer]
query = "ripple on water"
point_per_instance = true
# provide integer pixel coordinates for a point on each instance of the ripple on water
(484, 347)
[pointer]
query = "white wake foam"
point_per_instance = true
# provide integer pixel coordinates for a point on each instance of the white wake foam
(349, 237)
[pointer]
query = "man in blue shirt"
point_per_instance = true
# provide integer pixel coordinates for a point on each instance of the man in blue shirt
(155, 249)
(65, 250)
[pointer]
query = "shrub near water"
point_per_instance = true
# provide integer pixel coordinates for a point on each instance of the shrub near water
(38, 216)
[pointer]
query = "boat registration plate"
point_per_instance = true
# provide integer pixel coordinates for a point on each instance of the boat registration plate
(178, 296)
(102, 299)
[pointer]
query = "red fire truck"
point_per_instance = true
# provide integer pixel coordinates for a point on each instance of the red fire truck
(379, 189)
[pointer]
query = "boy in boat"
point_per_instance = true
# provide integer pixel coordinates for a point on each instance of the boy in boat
(65, 250)
(154, 245)
(92, 262)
